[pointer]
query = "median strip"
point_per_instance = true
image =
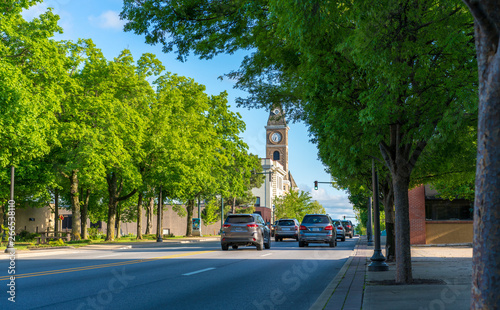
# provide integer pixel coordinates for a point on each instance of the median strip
(51, 272)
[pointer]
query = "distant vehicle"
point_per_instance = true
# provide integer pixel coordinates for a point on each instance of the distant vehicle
(349, 228)
(340, 229)
(286, 228)
(273, 228)
(247, 230)
(317, 228)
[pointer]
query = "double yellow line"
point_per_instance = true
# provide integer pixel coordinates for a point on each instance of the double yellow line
(50, 272)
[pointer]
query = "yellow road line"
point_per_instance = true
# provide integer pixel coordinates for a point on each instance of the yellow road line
(50, 272)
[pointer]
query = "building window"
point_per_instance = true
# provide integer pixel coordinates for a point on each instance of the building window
(442, 210)
(257, 202)
(276, 155)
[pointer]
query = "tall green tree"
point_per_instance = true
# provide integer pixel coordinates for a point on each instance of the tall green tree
(296, 204)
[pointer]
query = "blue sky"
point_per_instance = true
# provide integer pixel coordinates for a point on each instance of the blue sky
(99, 21)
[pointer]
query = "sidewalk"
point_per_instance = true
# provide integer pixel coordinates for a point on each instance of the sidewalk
(447, 270)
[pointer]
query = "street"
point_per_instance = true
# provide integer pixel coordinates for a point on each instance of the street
(175, 276)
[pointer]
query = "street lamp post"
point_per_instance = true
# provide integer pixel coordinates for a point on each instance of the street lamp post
(369, 223)
(159, 218)
(378, 259)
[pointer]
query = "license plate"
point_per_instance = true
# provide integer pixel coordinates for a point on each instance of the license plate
(316, 229)
(285, 228)
(238, 229)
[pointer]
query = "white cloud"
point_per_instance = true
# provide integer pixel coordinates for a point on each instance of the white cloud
(107, 20)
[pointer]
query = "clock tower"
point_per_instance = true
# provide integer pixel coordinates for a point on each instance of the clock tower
(277, 138)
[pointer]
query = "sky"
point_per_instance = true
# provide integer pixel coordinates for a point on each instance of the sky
(99, 20)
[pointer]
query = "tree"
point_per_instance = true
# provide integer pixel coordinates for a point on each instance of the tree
(486, 266)
(296, 204)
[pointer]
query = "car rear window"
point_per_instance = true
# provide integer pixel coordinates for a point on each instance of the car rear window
(286, 223)
(346, 223)
(239, 219)
(336, 222)
(315, 219)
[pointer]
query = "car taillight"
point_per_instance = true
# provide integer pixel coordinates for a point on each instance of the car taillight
(348, 226)
(341, 228)
(296, 227)
(252, 225)
(329, 227)
(302, 227)
(226, 225)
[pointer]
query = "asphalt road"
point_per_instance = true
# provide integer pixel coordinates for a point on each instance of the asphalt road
(174, 276)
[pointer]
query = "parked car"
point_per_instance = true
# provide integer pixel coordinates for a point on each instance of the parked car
(317, 228)
(349, 228)
(286, 228)
(340, 229)
(245, 229)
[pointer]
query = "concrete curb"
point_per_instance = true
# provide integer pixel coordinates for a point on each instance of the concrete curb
(323, 299)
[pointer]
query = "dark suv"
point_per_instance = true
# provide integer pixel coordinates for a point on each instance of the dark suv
(245, 229)
(286, 228)
(348, 228)
(317, 228)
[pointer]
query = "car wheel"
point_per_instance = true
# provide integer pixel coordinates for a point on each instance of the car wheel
(267, 245)
(224, 247)
(332, 244)
(260, 245)
(350, 236)
(276, 239)
(301, 244)
(343, 238)
(296, 238)
(306, 244)
(235, 247)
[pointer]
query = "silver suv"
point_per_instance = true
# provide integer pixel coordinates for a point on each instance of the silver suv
(286, 228)
(245, 229)
(340, 229)
(317, 228)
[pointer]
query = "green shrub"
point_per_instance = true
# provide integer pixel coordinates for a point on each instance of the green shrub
(94, 233)
(58, 242)
(26, 236)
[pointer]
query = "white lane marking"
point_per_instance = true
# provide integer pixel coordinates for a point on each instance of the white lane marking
(108, 255)
(198, 271)
(267, 254)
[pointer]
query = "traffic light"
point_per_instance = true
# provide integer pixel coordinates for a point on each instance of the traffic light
(344, 217)
(316, 185)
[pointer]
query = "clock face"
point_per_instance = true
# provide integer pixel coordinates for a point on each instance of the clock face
(276, 137)
(276, 111)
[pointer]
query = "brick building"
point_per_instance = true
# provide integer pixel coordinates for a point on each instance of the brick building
(437, 221)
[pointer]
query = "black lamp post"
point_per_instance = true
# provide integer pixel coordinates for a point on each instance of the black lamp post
(369, 235)
(378, 259)
(159, 227)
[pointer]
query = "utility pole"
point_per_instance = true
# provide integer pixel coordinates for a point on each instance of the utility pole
(369, 223)
(159, 218)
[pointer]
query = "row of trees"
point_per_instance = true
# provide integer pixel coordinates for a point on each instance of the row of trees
(394, 81)
(101, 136)
(296, 204)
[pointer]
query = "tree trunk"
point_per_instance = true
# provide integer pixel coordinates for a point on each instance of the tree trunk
(189, 209)
(233, 206)
(118, 222)
(115, 187)
(56, 212)
(139, 217)
(149, 215)
(400, 159)
(75, 206)
(486, 252)
(85, 213)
